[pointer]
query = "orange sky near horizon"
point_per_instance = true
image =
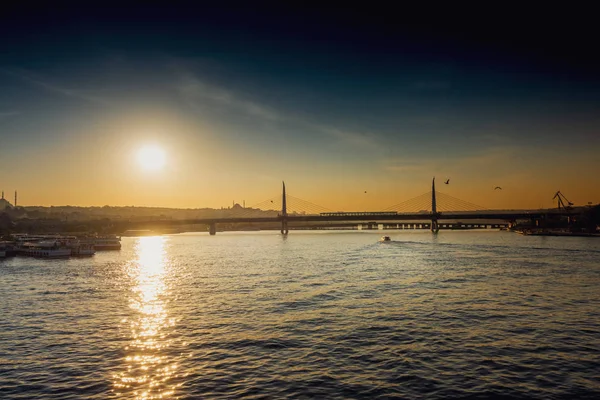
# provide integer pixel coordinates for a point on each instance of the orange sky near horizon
(202, 171)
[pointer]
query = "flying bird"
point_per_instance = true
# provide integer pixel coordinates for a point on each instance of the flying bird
(448, 181)
(365, 191)
(497, 187)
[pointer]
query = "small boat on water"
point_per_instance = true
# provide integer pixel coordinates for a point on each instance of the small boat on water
(385, 239)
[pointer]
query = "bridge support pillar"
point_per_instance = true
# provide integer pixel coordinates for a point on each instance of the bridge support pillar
(212, 229)
(435, 226)
(284, 223)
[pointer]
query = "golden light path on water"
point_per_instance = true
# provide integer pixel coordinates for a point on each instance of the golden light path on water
(148, 370)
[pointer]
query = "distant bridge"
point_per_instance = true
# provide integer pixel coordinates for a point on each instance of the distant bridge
(433, 207)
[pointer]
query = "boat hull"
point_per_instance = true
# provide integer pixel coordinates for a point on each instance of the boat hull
(83, 253)
(60, 253)
(107, 246)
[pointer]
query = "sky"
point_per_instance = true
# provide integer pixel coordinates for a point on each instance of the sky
(355, 108)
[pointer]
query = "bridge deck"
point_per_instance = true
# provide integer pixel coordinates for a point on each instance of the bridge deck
(366, 217)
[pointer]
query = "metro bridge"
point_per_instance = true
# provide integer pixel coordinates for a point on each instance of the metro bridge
(434, 209)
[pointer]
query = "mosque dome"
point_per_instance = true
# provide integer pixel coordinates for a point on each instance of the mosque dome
(5, 205)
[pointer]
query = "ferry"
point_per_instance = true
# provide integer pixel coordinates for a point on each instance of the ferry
(82, 249)
(45, 249)
(50, 246)
(107, 242)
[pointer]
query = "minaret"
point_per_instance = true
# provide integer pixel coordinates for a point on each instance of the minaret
(3, 195)
(15, 198)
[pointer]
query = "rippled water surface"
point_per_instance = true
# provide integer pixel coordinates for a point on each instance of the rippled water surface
(311, 315)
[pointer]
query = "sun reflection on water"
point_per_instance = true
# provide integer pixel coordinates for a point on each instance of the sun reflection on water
(148, 370)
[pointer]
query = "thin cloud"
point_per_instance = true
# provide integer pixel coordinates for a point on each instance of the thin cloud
(7, 114)
(197, 90)
(494, 159)
(51, 87)
(399, 166)
(492, 156)
(355, 139)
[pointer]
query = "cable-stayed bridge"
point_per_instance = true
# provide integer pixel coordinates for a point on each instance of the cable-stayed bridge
(431, 209)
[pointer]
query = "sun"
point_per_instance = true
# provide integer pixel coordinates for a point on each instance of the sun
(151, 158)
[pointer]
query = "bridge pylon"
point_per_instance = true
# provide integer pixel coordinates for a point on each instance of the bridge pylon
(434, 215)
(284, 222)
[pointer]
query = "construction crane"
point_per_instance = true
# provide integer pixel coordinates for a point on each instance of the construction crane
(562, 201)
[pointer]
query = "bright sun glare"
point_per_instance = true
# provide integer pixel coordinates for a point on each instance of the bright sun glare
(151, 158)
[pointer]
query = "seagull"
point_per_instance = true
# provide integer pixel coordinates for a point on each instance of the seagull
(497, 187)
(365, 191)
(448, 181)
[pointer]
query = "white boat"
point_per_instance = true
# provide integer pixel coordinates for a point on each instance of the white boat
(108, 242)
(45, 249)
(385, 239)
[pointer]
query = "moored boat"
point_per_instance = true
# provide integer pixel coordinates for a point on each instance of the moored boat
(108, 242)
(82, 249)
(385, 239)
(45, 249)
